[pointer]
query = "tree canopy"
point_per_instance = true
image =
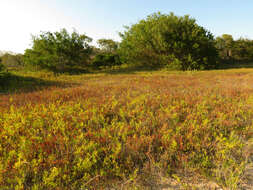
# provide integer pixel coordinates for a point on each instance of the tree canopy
(225, 44)
(57, 50)
(108, 45)
(10, 60)
(243, 50)
(236, 50)
(168, 40)
(107, 54)
(162, 40)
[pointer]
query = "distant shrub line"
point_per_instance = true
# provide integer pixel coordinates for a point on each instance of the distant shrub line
(159, 40)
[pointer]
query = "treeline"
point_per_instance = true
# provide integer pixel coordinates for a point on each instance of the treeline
(234, 50)
(160, 40)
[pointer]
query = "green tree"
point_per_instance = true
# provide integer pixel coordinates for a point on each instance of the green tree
(234, 50)
(10, 60)
(1, 65)
(168, 40)
(106, 59)
(225, 45)
(243, 50)
(108, 45)
(108, 55)
(58, 50)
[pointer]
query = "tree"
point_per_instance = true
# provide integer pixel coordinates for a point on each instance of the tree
(225, 45)
(58, 50)
(106, 59)
(234, 50)
(243, 50)
(108, 55)
(108, 45)
(1, 65)
(168, 40)
(10, 60)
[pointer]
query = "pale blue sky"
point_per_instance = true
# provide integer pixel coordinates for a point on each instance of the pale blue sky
(105, 18)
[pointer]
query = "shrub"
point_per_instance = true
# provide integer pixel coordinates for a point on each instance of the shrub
(1, 65)
(169, 40)
(11, 60)
(108, 45)
(106, 59)
(58, 50)
(234, 50)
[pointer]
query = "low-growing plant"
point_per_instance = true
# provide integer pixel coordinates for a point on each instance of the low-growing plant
(126, 131)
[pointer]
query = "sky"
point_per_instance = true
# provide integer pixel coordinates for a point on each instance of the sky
(19, 19)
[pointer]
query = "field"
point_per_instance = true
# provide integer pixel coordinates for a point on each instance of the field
(138, 130)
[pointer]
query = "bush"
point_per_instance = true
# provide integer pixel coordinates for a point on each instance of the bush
(230, 50)
(243, 50)
(108, 45)
(106, 59)
(1, 65)
(12, 61)
(56, 51)
(169, 40)
(2, 75)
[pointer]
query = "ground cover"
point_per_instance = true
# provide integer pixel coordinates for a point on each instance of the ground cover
(97, 131)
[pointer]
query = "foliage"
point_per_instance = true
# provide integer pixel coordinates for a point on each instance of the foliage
(169, 40)
(15, 82)
(225, 45)
(240, 50)
(108, 45)
(107, 55)
(106, 59)
(2, 75)
(58, 50)
(1, 65)
(243, 50)
(10, 60)
(112, 130)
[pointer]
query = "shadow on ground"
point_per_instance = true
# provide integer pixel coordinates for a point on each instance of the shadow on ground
(10, 83)
(236, 65)
(75, 71)
(127, 70)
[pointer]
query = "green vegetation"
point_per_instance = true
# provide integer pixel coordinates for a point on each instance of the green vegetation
(113, 129)
(58, 51)
(1, 65)
(106, 59)
(2, 74)
(107, 55)
(169, 40)
(108, 45)
(123, 125)
(231, 50)
(158, 41)
(14, 82)
(12, 61)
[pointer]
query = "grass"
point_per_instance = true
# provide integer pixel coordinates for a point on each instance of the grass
(97, 131)
(16, 82)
